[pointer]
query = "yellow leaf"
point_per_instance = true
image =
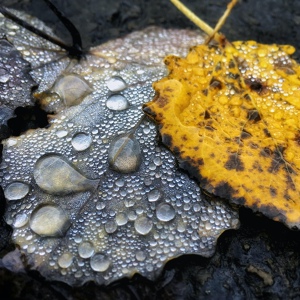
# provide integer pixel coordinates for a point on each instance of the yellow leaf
(230, 113)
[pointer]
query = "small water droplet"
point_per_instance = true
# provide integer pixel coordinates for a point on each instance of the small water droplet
(4, 75)
(61, 133)
(81, 141)
(143, 225)
(72, 89)
(49, 220)
(65, 260)
(153, 195)
(124, 154)
(116, 84)
(55, 175)
(140, 255)
(100, 262)
(117, 102)
(86, 249)
(16, 190)
(165, 212)
(110, 226)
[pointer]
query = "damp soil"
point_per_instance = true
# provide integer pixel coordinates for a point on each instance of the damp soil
(262, 258)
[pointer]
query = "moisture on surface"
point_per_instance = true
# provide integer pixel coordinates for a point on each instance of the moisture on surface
(120, 204)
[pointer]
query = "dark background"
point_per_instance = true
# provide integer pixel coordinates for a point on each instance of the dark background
(262, 258)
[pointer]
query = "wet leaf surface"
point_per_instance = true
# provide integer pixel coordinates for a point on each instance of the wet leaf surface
(230, 113)
(95, 196)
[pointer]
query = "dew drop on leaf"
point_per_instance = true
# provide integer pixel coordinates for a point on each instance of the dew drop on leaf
(16, 190)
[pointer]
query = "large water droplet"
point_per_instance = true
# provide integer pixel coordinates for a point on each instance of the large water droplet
(165, 212)
(143, 225)
(65, 260)
(49, 220)
(121, 219)
(81, 141)
(140, 255)
(4, 75)
(55, 175)
(16, 190)
(99, 262)
(124, 154)
(86, 249)
(72, 89)
(117, 102)
(116, 84)
(110, 226)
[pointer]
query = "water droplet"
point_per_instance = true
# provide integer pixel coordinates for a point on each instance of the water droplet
(65, 260)
(153, 195)
(16, 190)
(116, 84)
(99, 262)
(86, 249)
(20, 220)
(4, 75)
(72, 89)
(55, 175)
(110, 226)
(165, 212)
(140, 255)
(117, 102)
(49, 220)
(81, 141)
(121, 219)
(124, 154)
(61, 133)
(143, 225)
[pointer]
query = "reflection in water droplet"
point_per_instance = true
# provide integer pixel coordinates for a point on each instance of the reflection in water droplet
(81, 141)
(65, 260)
(61, 133)
(124, 154)
(4, 75)
(72, 89)
(116, 84)
(20, 220)
(140, 255)
(110, 226)
(55, 175)
(165, 212)
(143, 225)
(153, 195)
(99, 262)
(117, 102)
(16, 190)
(86, 249)
(121, 219)
(49, 220)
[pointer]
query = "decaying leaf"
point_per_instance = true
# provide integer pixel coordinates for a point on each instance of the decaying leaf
(95, 196)
(230, 113)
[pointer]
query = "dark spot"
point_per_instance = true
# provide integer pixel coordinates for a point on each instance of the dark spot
(224, 190)
(247, 97)
(253, 146)
(253, 115)
(233, 75)
(215, 83)
(147, 110)
(196, 148)
(255, 85)
(273, 191)
(206, 115)
(267, 132)
(209, 128)
(167, 140)
(272, 212)
(245, 134)
(266, 152)
(277, 160)
(234, 163)
(176, 151)
(231, 64)
(205, 92)
(297, 138)
(256, 166)
(184, 138)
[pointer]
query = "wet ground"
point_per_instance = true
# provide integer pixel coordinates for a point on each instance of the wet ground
(261, 259)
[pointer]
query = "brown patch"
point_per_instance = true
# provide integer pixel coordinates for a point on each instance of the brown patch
(215, 83)
(256, 85)
(253, 115)
(234, 163)
(205, 92)
(245, 134)
(266, 152)
(273, 192)
(297, 138)
(231, 64)
(256, 165)
(161, 101)
(167, 140)
(267, 132)
(224, 190)
(209, 128)
(206, 115)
